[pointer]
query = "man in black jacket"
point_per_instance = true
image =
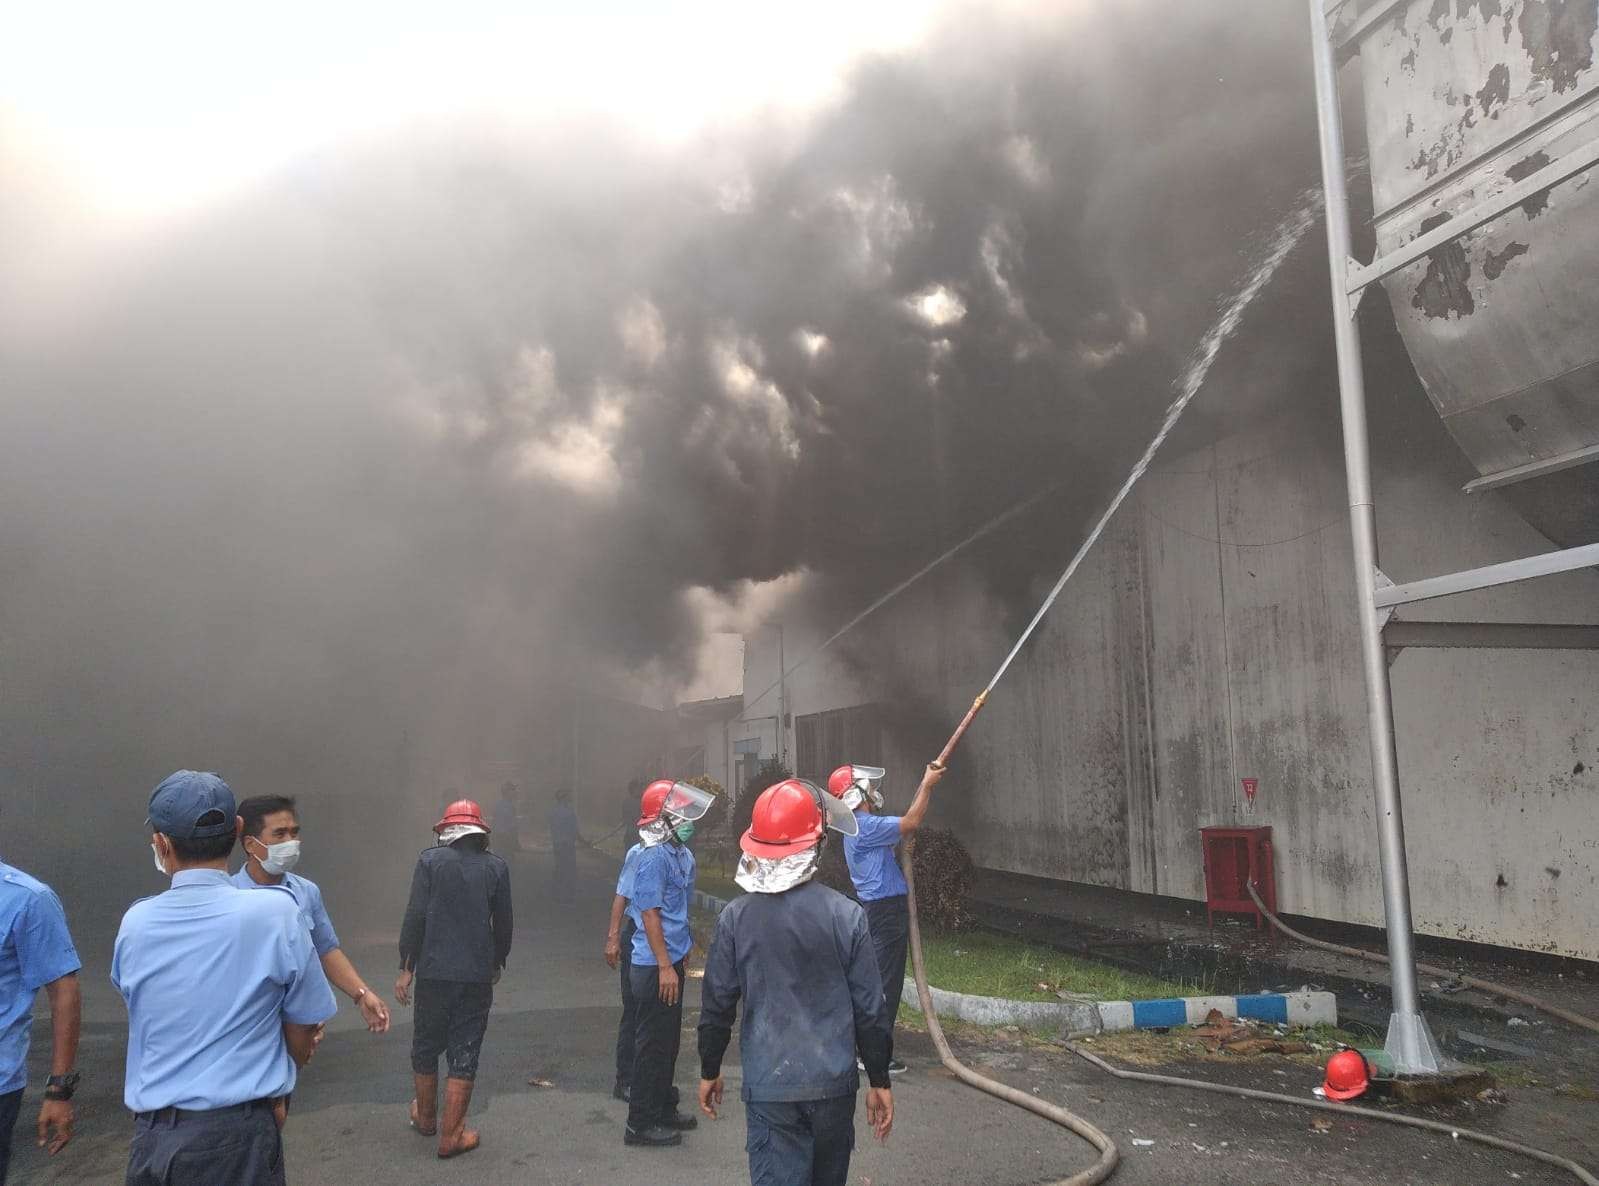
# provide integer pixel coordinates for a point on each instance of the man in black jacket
(454, 941)
(798, 954)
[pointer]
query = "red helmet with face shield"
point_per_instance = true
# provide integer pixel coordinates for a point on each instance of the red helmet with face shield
(791, 817)
(676, 799)
(864, 781)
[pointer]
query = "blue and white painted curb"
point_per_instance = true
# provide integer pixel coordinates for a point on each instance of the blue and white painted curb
(1281, 1008)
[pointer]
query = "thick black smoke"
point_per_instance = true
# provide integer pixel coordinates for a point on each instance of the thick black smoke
(336, 486)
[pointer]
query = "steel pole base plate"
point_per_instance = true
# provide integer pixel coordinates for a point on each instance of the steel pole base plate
(1411, 1049)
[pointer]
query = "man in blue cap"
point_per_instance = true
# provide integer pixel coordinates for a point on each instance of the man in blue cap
(36, 952)
(225, 997)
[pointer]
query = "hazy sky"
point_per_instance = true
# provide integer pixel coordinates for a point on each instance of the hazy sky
(154, 107)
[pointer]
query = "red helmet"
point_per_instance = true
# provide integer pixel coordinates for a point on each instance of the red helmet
(791, 816)
(676, 799)
(1347, 1075)
(864, 779)
(649, 806)
(462, 811)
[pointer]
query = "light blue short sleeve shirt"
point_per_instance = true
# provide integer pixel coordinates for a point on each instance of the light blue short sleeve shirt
(870, 857)
(210, 973)
(624, 881)
(663, 879)
(308, 896)
(35, 949)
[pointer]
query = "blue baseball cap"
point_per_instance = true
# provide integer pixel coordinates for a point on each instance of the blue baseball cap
(189, 805)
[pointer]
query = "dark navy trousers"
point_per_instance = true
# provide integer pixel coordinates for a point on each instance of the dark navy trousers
(626, 1029)
(802, 1143)
(240, 1146)
(889, 922)
(10, 1106)
(658, 1033)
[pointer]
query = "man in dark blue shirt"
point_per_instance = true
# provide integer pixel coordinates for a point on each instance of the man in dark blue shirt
(799, 956)
(454, 941)
(879, 883)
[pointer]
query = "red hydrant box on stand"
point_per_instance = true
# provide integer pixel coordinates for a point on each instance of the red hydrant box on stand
(1233, 858)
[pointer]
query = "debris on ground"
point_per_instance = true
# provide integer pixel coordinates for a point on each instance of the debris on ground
(1321, 1124)
(1239, 1036)
(1577, 1091)
(537, 1082)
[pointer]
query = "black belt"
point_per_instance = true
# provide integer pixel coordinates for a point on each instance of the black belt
(175, 1115)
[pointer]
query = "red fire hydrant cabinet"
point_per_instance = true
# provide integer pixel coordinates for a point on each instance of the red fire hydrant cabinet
(1234, 856)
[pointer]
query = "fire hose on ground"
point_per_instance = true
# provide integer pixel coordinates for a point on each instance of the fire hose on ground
(1108, 1153)
(1109, 1156)
(1488, 986)
(1274, 1097)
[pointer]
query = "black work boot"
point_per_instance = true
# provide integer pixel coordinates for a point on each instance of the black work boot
(654, 1136)
(680, 1121)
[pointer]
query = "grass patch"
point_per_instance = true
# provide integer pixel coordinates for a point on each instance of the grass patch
(1150, 1048)
(992, 965)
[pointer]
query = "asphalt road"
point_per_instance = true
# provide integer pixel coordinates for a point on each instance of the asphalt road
(554, 1018)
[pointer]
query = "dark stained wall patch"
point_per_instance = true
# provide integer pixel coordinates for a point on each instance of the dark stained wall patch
(1524, 169)
(1494, 266)
(1444, 291)
(1495, 93)
(1558, 37)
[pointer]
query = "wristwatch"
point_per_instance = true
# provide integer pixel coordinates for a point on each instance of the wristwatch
(61, 1087)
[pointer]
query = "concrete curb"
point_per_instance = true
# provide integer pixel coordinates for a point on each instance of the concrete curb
(1285, 1008)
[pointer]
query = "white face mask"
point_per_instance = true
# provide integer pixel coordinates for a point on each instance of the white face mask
(159, 867)
(280, 858)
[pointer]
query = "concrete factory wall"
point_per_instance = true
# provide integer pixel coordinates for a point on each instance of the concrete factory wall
(1211, 638)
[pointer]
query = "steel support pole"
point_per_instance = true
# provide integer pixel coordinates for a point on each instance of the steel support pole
(1410, 1043)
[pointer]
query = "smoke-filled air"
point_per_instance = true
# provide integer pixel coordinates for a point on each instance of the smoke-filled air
(333, 479)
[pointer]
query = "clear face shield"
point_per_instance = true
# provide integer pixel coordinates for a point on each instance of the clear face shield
(683, 804)
(687, 803)
(866, 784)
(837, 815)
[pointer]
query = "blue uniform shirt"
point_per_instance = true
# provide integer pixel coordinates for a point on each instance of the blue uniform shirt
(563, 826)
(870, 856)
(35, 949)
(663, 879)
(210, 973)
(308, 898)
(624, 882)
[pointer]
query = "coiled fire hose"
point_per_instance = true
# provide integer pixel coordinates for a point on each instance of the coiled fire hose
(1108, 1153)
(1488, 986)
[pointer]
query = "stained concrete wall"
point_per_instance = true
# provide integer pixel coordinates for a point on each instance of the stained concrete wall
(1211, 637)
